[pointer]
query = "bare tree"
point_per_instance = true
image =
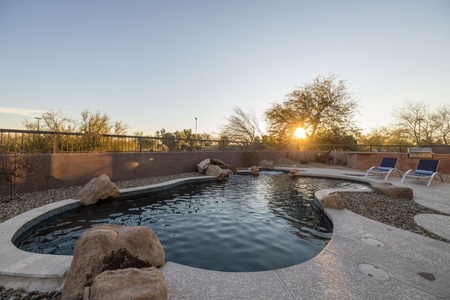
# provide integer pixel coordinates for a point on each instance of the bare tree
(52, 121)
(417, 123)
(242, 126)
(441, 120)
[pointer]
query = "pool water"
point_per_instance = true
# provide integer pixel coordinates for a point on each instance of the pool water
(243, 224)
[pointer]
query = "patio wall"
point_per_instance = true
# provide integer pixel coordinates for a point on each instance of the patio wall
(365, 160)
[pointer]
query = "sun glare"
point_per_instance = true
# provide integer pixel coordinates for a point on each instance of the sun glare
(300, 133)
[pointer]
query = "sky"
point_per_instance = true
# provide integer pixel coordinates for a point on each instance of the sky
(160, 64)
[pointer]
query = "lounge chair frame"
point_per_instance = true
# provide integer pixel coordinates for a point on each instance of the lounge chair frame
(430, 173)
(385, 167)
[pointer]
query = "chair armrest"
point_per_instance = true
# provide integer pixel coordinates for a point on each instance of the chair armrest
(368, 171)
(409, 171)
(406, 174)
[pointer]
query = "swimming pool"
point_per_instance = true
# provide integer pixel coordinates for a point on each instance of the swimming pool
(246, 223)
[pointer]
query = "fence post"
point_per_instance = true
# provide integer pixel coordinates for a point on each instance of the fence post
(54, 143)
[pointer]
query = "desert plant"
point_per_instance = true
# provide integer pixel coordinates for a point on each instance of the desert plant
(14, 170)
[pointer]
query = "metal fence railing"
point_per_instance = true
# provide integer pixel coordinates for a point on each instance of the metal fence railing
(356, 147)
(66, 142)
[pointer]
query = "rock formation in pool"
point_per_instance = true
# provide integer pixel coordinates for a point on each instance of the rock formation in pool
(112, 247)
(216, 167)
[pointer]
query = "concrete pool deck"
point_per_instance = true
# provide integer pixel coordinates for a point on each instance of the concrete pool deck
(365, 259)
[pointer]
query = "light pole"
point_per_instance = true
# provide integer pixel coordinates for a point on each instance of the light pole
(38, 118)
(195, 127)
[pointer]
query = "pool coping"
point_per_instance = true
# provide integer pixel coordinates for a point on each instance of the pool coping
(338, 271)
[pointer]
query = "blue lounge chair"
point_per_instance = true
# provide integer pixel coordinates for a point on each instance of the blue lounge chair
(426, 168)
(387, 166)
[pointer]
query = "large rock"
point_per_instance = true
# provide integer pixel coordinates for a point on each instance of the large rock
(387, 188)
(231, 168)
(227, 172)
(218, 162)
(333, 201)
(111, 247)
(131, 283)
(213, 170)
(217, 171)
(203, 165)
(97, 189)
(267, 164)
(216, 167)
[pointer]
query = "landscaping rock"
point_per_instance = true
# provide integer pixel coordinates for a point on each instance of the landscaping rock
(230, 167)
(333, 201)
(266, 164)
(389, 189)
(218, 162)
(216, 167)
(131, 283)
(223, 175)
(255, 170)
(292, 172)
(213, 170)
(216, 171)
(283, 162)
(110, 247)
(97, 189)
(203, 165)
(227, 171)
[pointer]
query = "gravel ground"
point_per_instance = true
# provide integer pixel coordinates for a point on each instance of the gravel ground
(10, 294)
(392, 211)
(27, 201)
(396, 212)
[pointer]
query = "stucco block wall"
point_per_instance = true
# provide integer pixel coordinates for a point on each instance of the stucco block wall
(74, 169)
(365, 160)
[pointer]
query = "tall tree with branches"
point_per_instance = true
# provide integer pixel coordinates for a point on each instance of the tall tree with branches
(324, 108)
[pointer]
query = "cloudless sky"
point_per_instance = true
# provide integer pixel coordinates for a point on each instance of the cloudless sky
(161, 64)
